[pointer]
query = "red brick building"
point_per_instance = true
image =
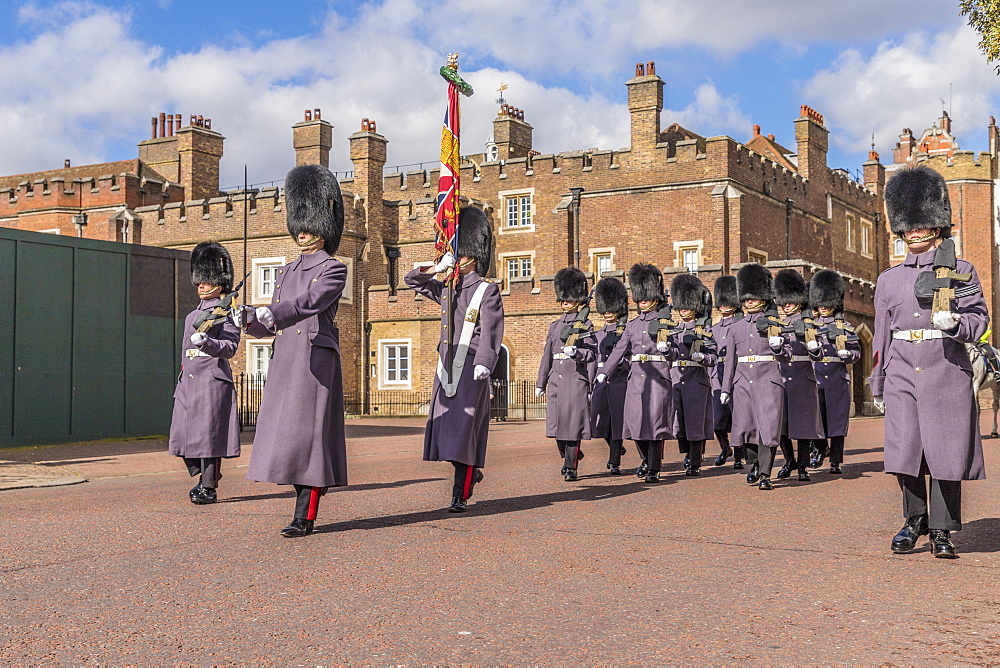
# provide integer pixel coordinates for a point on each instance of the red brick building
(672, 197)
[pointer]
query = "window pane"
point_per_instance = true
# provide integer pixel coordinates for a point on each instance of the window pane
(526, 210)
(512, 266)
(603, 264)
(900, 247)
(511, 212)
(691, 259)
(525, 266)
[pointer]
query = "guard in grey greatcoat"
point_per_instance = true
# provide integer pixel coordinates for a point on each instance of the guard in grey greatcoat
(204, 428)
(607, 404)
(649, 396)
(458, 422)
(752, 379)
(696, 354)
(922, 376)
(826, 299)
(564, 372)
(300, 438)
(728, 304)
(803, 420)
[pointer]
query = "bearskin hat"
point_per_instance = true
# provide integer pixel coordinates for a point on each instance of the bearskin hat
(475, 238)
(646, 282)
(827, 289)
(753, 281)
(917, 197)
(611, 296)
(313, 204)
(571, 286)
(790, 288)
(210, 263)
(687, 292)
(725, 292)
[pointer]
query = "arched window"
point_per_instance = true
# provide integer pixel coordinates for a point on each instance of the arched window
(899, 247)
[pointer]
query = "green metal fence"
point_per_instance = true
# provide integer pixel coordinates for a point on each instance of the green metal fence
(89, 337)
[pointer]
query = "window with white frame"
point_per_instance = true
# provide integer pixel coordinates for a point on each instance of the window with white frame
(850, 233)
(394, 360)
(687, 254)
(758, 256)
(517, 210)
(899, 248)
(602, 263)
(348, 296)
(258, 358)
(866, 238)
(518, 267)
(265, 278)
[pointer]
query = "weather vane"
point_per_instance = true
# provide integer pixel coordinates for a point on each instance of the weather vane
(500, 99)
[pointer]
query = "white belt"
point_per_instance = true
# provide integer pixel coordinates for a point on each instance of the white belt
(829, 360)
(755, 358)
(687, 363)
(648, 358)
(917, 335)
(800, 358)
(194, 352)
(561, 356)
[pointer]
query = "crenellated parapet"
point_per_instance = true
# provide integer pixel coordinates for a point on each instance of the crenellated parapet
(961, 165)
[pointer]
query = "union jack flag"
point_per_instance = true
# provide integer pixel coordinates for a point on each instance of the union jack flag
(446, 220)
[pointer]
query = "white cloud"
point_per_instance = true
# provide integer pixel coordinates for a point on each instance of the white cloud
(901, 85)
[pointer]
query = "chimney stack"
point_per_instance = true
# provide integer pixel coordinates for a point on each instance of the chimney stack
(312, 139)
(645, 102)
(813, 142)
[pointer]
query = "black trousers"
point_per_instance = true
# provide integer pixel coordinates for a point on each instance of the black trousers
(695, 451)
(615, 451)
(723, 438)
(652, 454)
(762, 456)
(799, 459)
(307, 501)
(466, 478)
(570, 452)
(210, 469)
(945, 510)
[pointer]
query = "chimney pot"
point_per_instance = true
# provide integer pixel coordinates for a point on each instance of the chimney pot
(308, 115)
(163, 123)
(170, 125)
(316, 115)
(771, 137)
(640, 70)
(650, 68)
(756, 130)
(66, 163)
(152, 134)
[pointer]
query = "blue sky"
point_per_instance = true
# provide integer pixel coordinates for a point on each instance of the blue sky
(82, 79)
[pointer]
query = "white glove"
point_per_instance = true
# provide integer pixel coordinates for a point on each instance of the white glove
(539, 391)
(238, 312)
(265, 317)
(601, 377)
(879, 404)
(812, 346)
(843, 354)
(446, 263)
(662, 346)
(723, 398)
(199, 338)
(775, 342)
(946, 321)
(480, 372)
(569, 351)
(697, 357)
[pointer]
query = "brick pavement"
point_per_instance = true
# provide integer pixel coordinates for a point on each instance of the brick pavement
(124, 570)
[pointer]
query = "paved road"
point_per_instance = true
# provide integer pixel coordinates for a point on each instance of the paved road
(124, 570)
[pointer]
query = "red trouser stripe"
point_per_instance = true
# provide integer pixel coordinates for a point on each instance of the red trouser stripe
(313, 503)
(467, 490)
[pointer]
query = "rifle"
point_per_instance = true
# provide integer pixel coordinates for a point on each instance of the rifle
(769, 324)
(664, 325)
(842, 331)
(937, 285)
(701, 333)
(805, 329)
(219, 313)
(574, 331)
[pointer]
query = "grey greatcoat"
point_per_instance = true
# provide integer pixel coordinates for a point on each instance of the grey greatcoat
(930, 412)
(723, 413)
(607, 403)
(802, 417)
(300, 427)
(755, 388)
(834, 381)
(205, 422)
(458, 426)
(566, 383)
(692, 387)
(649, 396)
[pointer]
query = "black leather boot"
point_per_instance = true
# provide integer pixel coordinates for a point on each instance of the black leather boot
(941, 545)
(652, 476)
(753, 476)
(570, 475)
(458, 505)
(641, 471)
(765, 483)
(835, 468)
(204, 496)
(193, 494)
(298, 528)
(906, 539)
(786, 470)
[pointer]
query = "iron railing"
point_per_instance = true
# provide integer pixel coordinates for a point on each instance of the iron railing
(509, 401)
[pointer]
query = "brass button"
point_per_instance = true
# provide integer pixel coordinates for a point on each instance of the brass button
(298, 331)
(315, 279)
(281, 271)
(190, 375)
(919, 369)
(279, 332)
(751, 382)
(277, 286)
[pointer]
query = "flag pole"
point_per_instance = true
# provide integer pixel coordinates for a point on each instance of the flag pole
(446, 218)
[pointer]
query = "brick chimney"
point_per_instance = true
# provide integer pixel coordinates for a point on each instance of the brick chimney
(368, 152)
(200, 150)
(813, 141)
(905, 147)
(312, 139)
(645, 102)
(945, 122)
(874, 173)
(511, 133)
(159, 152)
